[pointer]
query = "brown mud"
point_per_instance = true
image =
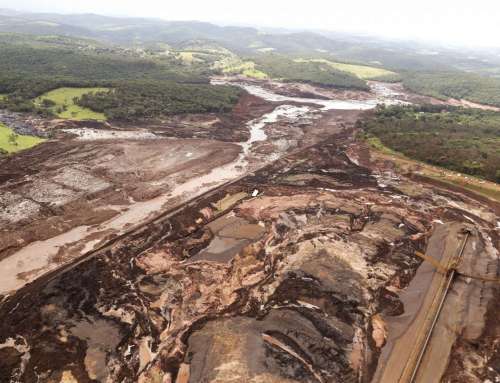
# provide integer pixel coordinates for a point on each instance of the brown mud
(294, 272)
(297, 303)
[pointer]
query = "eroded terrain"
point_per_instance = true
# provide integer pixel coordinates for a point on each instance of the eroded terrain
(302, 269)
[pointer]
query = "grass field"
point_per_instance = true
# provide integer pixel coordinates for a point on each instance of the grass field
(189, 57)
(66, 108)
(186, 57)
(21, 142)
(375, 143)
(246, 68)
(2, 96)
(364, 72)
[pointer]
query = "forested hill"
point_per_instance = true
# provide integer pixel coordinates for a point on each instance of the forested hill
(132, 31)
(458, 85)
(31, 66)
(463, 140)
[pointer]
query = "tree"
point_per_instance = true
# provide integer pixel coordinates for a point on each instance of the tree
(13, 138)
(47, 103)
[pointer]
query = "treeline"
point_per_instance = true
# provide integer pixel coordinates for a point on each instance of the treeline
(66, 63)
(463, 140)
(459, 85)
(151, 99)
(281, 67)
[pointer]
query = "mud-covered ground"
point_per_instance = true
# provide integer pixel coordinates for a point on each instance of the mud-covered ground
(287, 275)
(295, 272)
(69, 183)
(93, 181)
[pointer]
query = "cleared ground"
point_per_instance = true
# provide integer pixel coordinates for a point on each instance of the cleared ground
(65, 106)
(11, 142)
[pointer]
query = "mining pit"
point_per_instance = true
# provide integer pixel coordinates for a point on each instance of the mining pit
(259, 246)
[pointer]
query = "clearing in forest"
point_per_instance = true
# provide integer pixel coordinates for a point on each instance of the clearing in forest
(246, 68)
(361, 71)
(12, 142)
(66, 108)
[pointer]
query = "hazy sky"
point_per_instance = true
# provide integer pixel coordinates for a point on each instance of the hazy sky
(472, 22)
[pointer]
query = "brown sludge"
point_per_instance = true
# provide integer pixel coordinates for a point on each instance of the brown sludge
(303, 270)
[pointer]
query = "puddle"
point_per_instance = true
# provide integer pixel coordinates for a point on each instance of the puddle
(220, 250)
(102, 337)
(231, 235)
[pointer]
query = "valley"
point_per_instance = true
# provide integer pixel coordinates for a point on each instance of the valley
(217, 205)
(170, 244)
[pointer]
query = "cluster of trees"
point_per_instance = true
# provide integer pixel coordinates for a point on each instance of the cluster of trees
(463, 140)
(279, 66)
(151, 99)
(459, 85)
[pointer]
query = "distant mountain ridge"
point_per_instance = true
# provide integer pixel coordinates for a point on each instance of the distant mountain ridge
(132, 31)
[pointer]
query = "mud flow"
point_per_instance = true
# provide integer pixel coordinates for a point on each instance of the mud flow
(282, 253)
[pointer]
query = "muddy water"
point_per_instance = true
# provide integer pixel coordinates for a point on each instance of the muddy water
(34, 259)
(101, 337)
(231, 235)
(256, 127)
(240, 166)
(382, 95)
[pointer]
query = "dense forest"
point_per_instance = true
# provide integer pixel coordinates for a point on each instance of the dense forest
(463, 140)
(284, 68)
(150, 99)
(69, 64)
(459, 85)
(27, 72)
(30, 67)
